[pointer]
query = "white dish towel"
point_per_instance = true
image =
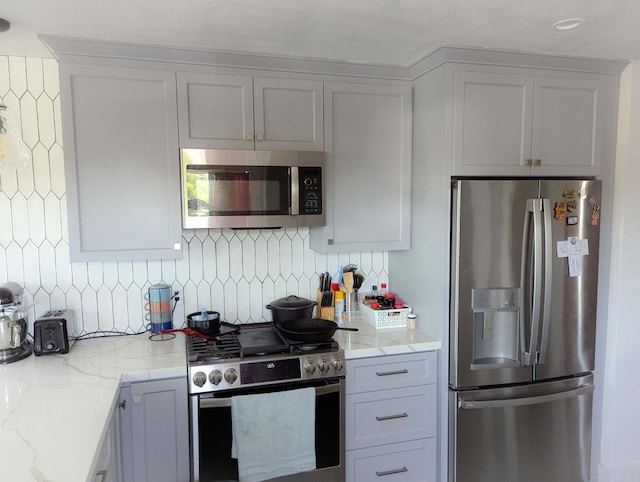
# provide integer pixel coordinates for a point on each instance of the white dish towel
(274, 433)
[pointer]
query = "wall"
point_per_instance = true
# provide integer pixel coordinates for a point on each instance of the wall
(234, 272)
(620, 457)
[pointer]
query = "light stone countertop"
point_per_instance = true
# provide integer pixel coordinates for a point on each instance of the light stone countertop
(54, 410)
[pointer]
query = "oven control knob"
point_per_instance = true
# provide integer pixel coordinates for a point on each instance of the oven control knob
(230, 375)
(215, 377)
(199, 379)
(337, 365)
(310, 367)
(323, 366)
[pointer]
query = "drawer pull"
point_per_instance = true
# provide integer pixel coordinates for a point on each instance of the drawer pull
(391, 472)
(395, 372)
(391, 417)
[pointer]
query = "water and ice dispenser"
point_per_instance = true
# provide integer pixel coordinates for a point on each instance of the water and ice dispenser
(496, 315)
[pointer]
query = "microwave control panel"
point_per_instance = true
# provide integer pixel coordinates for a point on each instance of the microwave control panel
(310, 190)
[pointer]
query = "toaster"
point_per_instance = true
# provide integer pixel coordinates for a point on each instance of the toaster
(54, 332)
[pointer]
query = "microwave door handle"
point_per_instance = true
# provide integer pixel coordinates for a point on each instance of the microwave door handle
(294, 202)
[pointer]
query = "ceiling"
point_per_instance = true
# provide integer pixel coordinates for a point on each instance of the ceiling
(388, 32)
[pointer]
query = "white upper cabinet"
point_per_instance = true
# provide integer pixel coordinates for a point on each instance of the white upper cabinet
(121, 162)
(519, 122)
(240, 112)
(368, 145)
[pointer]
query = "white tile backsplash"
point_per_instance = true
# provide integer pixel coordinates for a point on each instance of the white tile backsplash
(234, 272)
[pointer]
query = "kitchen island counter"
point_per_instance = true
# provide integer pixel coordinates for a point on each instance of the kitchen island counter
(368, 342)
(55, 409)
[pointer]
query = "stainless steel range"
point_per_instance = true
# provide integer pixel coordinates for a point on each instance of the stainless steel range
(256, 358)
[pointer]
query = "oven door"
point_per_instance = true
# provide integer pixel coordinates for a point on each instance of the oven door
(211, 433)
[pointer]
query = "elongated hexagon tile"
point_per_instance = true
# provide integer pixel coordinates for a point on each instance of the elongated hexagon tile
(140, 277)
(64, 220)
(95, 274)
(26, 175)
(73, 300)
(110, 274)
(79, 275)
(58, 300)
(37, 230)
(209, 260)
(125, 273)
(47, 258)
(64, 279)
(31, 266)
(168, 269)
(195, 262)
(188, 235)
(235, 259)
(366, 262)
(3, 266)
(285, 255)
(297, 256)
(20, 219)
(292, 287)
(18, 75)
(104, 299)
(9, 182)
(231, 301)
(52, 219)
(268, 296)
(29, 120)
(154, 271)
(217, 297)
(200, 235)
(248, 258)
(204, 296)
(377, 261)
(243, 304)
(35, 76)
(90, 309)
(262, 258)
(222, 259)
(41, 304)
(280, 288)
(135, 310)
(190, 297)
(120, 308)
(46, 121)
(51, 77)
(214, 234)
(6, 233)
(228, 234)
(273, 257)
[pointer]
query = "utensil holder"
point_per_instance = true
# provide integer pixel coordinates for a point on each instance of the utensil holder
(351, 305)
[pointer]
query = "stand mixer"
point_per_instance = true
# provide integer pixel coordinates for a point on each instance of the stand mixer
(13, 324)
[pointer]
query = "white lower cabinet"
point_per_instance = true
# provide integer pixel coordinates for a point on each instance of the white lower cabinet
(154, 424)
(390, 421)
(107, 467)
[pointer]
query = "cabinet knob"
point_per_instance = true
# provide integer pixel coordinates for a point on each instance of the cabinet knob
(249, 136)
(260, 137)
(537, 162)
(528, 162)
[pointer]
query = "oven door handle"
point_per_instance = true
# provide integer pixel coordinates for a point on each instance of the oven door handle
(226, 402)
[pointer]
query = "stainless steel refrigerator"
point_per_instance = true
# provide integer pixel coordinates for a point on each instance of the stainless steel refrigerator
(524, 267)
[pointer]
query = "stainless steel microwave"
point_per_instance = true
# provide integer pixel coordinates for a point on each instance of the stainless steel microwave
(252, 189)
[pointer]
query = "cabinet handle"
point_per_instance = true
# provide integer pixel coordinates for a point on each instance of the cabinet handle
(101, 476)
(260, 137)
(249, 136)
(394, 372)
(537, 162)
(528, 162)
(391, 417)
(391, 472)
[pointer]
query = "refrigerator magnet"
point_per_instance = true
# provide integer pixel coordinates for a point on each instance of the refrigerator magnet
(559, 210)
(571, 220)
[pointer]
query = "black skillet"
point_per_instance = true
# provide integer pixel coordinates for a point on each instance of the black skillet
(309, 330)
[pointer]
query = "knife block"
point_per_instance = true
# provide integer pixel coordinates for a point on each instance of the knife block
(324, 312)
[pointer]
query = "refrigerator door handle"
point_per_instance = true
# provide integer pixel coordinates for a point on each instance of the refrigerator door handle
(548, 257)
(534, 206)
(519, 402)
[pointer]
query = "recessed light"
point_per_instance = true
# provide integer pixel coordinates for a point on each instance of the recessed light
(569, 23)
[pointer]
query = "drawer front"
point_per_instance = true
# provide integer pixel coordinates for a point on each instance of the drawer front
(413, 461)
(391, 371)
(390, 416)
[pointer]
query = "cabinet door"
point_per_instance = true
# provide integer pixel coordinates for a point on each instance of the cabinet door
(368, 144)
(567, 126)
(155, 431)
(288, 114)
(215, 111)
(121, 162)
(491, 123)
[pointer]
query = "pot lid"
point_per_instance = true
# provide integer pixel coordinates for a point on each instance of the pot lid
(291, 302)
